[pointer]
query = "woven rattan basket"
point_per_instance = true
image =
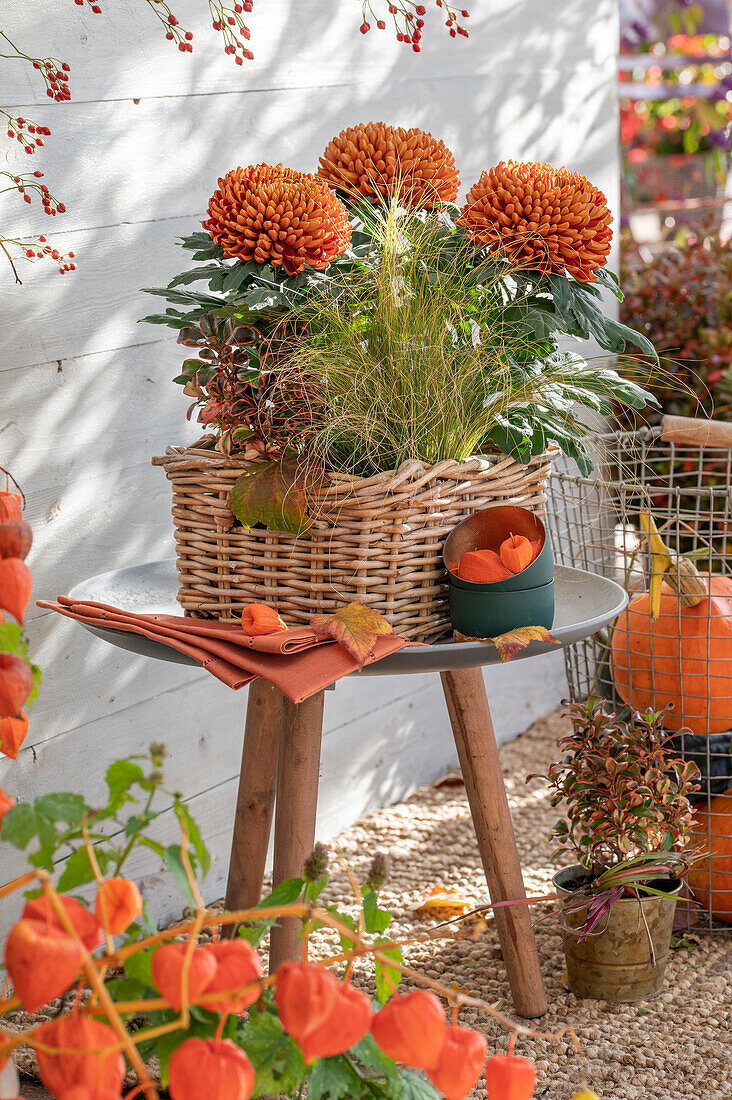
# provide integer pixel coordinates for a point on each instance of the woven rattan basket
(377, 540)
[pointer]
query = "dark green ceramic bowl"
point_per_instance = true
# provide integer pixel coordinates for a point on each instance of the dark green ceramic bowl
(486, 530)
(482, 612)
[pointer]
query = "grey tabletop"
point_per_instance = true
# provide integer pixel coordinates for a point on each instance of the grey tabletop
(584, 604)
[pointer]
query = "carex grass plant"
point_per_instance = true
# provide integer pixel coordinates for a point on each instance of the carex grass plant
(431, 348)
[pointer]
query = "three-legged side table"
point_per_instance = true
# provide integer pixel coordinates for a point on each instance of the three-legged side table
(281, 756)
(283, 772)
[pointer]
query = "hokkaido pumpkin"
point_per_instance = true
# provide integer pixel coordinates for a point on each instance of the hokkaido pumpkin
(710, 878)
(684, 657)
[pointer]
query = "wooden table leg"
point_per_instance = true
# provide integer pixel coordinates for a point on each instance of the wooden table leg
(467, 704)
(298, 771)
(255, 800)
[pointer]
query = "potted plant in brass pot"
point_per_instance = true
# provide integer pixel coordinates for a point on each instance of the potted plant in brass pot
(374, 363)
(629, 823)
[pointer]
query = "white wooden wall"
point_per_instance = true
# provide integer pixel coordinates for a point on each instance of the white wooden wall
(85, 392)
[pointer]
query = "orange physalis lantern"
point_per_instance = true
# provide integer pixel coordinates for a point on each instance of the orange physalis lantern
(347, 1023)
(411, 1029)
(305, 995)
(6, 803)
(11, 506)
(508, 1077)
(16, 684)
(12, 734)
(85, 1092)
(84, 922)
(482, 567)
(42, 962)
(258, 618)
(15, 586)
(86, 1067)
(516, 553)
(167, 972)
(117, 904)
(461, 1061)
(16, 539)
(213, 1068)
(237, 965)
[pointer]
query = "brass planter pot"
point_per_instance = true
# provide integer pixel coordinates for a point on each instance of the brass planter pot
(617, 964)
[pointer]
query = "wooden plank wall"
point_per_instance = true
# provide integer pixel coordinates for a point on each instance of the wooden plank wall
(85, 392)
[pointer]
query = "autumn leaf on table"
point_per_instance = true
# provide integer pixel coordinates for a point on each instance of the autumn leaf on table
(275, 495)
(354, 626)
(513, 641)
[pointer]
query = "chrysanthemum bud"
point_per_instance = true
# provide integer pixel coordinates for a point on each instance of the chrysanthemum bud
(384, 162)
(549, 219)
(279, 216)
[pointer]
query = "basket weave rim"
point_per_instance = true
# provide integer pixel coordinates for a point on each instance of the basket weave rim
(412, 472)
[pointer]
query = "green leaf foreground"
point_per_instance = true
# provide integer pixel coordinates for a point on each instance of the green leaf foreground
(56, 821)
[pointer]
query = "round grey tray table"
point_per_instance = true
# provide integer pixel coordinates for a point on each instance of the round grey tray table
(584, 604)
(281, 753)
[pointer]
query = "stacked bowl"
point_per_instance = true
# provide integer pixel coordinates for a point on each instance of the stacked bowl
(485, 609)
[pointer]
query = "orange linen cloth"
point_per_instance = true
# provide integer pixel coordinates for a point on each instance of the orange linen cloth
(295, 661)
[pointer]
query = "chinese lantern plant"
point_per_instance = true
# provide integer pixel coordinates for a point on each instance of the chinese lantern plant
(19, 678)
(629, 822)
(200, 1004)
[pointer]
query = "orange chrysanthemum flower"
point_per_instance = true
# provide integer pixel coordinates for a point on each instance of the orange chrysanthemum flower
(548, 218)
(279, 216)
(382, 162)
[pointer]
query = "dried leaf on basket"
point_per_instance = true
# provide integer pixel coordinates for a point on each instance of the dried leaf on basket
(354, 626)
(275, 495)
(442, 903)
(513, 641)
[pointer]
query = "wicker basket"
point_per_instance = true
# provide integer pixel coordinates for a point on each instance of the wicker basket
(376, 539)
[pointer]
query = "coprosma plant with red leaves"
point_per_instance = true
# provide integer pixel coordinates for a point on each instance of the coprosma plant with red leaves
(198, 1001)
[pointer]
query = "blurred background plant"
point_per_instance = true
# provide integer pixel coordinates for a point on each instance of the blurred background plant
(681, 300)
(675, 84)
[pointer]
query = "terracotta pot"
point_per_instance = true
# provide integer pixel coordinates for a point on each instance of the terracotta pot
(616, 963)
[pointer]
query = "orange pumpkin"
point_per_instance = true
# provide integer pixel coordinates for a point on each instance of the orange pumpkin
(684, 658)
(710, 879)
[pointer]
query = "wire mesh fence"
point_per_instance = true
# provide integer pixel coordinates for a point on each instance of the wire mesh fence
(676, 649)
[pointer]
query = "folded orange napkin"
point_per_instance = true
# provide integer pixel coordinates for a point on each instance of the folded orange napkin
(295, 661)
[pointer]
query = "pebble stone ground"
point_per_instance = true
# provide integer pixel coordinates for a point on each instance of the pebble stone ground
(679, 1046)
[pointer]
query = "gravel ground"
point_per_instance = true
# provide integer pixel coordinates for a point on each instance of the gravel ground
(677, 1046)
